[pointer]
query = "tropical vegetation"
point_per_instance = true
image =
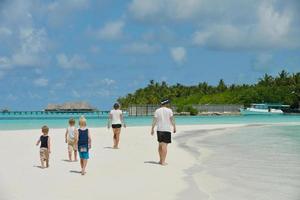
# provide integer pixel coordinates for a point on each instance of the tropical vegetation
(283, 88)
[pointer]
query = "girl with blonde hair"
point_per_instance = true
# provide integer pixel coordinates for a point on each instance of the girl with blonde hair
(84, 143)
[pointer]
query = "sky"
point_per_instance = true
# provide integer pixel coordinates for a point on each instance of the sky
(98, 50)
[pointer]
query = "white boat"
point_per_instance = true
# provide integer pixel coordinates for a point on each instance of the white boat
(263, 109)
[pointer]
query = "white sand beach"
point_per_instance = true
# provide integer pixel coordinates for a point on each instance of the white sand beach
(127, 173)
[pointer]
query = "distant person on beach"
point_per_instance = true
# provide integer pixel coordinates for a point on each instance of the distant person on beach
(44, 140)
(116, 120)
(163, 118)
(84, 144)
(71, 139)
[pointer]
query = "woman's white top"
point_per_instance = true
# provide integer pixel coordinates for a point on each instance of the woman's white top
(71, 132)
(116, 116)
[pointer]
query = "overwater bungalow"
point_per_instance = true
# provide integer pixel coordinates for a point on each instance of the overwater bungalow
(71, 107)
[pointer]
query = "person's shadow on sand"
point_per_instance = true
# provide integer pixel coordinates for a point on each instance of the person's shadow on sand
(37, 166)
(151, 162)
(108, 148)
(75, 171)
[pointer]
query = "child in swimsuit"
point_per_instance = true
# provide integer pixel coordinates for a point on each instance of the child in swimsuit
(71, 139)
(44, 140)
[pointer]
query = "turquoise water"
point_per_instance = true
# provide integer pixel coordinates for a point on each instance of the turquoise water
(254, 162)
(101, 121)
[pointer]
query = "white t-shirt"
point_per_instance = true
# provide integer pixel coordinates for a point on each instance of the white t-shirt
(163, 116)
(116, 116)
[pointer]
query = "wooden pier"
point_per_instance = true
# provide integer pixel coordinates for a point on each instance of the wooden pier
(50, 114)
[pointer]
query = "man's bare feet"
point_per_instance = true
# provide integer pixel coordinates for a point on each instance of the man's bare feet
(163, 163)
(83, 172)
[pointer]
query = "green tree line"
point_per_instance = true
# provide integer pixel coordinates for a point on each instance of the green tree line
(283, 88)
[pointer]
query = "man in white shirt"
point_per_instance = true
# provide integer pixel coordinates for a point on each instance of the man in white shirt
(164, 119)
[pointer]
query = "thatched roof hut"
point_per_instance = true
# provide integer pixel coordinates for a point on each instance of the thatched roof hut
(71, 107)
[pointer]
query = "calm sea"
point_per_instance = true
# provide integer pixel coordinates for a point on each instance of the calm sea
(29, 122)
(254, 162)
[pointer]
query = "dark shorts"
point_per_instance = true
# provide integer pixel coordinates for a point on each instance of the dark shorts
(116, 125)
(164, 136)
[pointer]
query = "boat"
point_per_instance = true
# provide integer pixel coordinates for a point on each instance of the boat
(264, 109)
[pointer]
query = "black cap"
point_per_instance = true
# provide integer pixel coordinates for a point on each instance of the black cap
(165, 101)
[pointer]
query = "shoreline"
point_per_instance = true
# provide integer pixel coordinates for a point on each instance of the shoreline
(109, 170)
(208, 180)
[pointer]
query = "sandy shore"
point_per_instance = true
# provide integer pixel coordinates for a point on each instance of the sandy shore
(127, 173)
(132, 173)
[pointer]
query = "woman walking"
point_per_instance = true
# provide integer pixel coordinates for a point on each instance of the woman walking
(116, 121)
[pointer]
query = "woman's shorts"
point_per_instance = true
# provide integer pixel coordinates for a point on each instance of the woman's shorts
(44, 153)
(164, 136)
(116, 125)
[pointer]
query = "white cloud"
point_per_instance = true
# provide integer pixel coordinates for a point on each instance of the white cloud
(59, 11)
(111, 31)
(5, 63)
(73, 62)
(140, 48)
(26, 42)
(108, 81)
(178, 54)
(146, 9)
(33, 45)
(272, 29)
(154, 10)
(41, 82)
(227, 25)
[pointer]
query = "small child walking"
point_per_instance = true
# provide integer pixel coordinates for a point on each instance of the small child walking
(84, 144)
(44, 140)
(71, 139)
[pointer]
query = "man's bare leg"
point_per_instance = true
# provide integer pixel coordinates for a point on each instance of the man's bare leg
(164, 150)
(160, 152)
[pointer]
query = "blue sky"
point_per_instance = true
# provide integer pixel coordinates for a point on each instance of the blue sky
(97, 50)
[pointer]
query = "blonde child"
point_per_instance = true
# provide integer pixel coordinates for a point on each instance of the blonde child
(71, 139)
(45, 147)
(84, 144)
